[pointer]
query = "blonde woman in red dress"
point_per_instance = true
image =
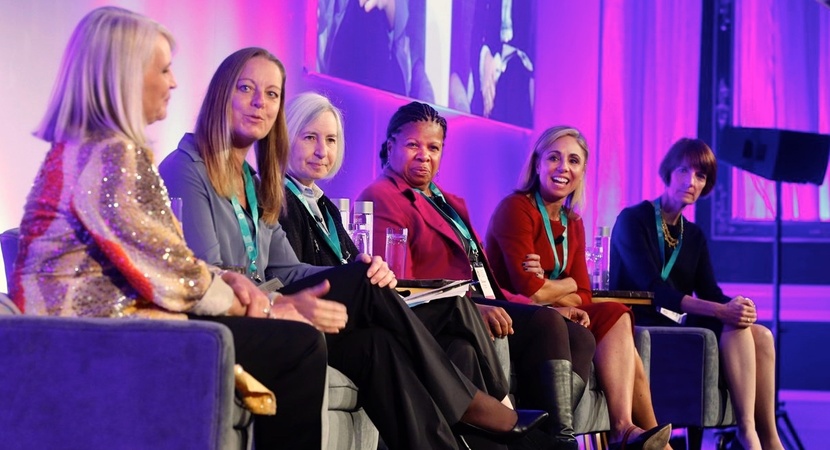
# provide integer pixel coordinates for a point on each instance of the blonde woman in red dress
(536, 245)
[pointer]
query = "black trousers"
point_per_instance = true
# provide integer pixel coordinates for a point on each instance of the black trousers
(457, 326)
(409, 387)
(289, 358)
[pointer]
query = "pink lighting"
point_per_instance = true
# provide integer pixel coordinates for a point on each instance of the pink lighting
(625, 73)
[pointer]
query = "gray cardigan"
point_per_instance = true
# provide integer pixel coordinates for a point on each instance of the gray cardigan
(210, 225)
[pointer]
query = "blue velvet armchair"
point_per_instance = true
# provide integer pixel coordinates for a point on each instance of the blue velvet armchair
(105, 384)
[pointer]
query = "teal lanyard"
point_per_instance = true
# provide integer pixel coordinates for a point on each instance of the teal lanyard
(248, 238)
(558, 268)
(334, 243)
(452, 217)
(667, 267)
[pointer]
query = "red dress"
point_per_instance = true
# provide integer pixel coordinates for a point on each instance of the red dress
(516, 230)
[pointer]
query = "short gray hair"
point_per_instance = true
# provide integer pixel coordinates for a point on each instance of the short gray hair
(305, 108)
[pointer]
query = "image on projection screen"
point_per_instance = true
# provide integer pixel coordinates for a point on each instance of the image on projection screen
(474, 56)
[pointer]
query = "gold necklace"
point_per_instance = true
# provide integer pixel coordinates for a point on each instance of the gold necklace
(671, 241)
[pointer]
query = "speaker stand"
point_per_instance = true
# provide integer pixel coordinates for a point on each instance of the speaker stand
(786, 431)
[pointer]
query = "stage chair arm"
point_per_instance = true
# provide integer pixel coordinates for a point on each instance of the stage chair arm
(684, 372)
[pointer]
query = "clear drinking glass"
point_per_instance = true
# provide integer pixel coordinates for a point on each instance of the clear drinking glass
(360, 236)
(396, 250)
(593, 259)
(363, 222)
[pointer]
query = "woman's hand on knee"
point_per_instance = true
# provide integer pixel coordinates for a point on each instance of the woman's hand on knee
(739, 312)
(325, 315)
(498, 322)
(287, 311)
(575, 314)
(249, 299)
(379, 272)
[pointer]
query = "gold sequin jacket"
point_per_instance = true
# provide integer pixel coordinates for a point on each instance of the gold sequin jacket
(98, 239)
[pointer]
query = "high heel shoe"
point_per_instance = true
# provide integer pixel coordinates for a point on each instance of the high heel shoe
(653, 439)
(528, 419)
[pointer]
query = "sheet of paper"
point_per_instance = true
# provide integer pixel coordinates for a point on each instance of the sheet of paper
(451, 290)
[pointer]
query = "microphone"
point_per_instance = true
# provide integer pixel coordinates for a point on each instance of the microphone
(559, 240)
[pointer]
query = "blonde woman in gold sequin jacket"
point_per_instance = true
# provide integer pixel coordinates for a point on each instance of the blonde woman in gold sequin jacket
(98, 238)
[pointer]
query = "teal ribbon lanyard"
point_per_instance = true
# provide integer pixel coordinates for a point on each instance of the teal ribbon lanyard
(452, 216)
(248, 238)
(557, 268)
(333, 243)
(667, 266)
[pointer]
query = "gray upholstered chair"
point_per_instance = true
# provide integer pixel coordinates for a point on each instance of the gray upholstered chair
(683, 366)
(347, 425)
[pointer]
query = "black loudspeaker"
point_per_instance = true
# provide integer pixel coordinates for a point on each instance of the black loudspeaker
(778, 155)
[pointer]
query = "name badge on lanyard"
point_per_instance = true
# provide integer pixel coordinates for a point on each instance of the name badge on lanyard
(563, 219)
(483, 281)
(249, 236)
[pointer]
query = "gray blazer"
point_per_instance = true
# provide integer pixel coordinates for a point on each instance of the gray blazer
(211, 228)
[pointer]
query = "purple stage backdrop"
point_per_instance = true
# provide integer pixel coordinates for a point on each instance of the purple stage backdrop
(625, 73)
(782, 80)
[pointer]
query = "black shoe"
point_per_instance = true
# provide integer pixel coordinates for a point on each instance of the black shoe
(528, 419)
(653, 439)
(536, 439)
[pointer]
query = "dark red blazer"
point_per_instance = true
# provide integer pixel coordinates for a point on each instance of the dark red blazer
(433, 249)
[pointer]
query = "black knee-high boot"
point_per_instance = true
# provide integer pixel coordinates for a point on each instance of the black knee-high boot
(551, 390)
(556, 397)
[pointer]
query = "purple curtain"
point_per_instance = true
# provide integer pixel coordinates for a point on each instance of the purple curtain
(782, 80)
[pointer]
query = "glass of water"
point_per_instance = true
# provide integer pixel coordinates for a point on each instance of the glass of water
(360, 237)
(396, 250)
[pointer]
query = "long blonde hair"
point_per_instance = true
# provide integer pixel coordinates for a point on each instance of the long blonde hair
(101, 78)
(528, 182)
(214, 136)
